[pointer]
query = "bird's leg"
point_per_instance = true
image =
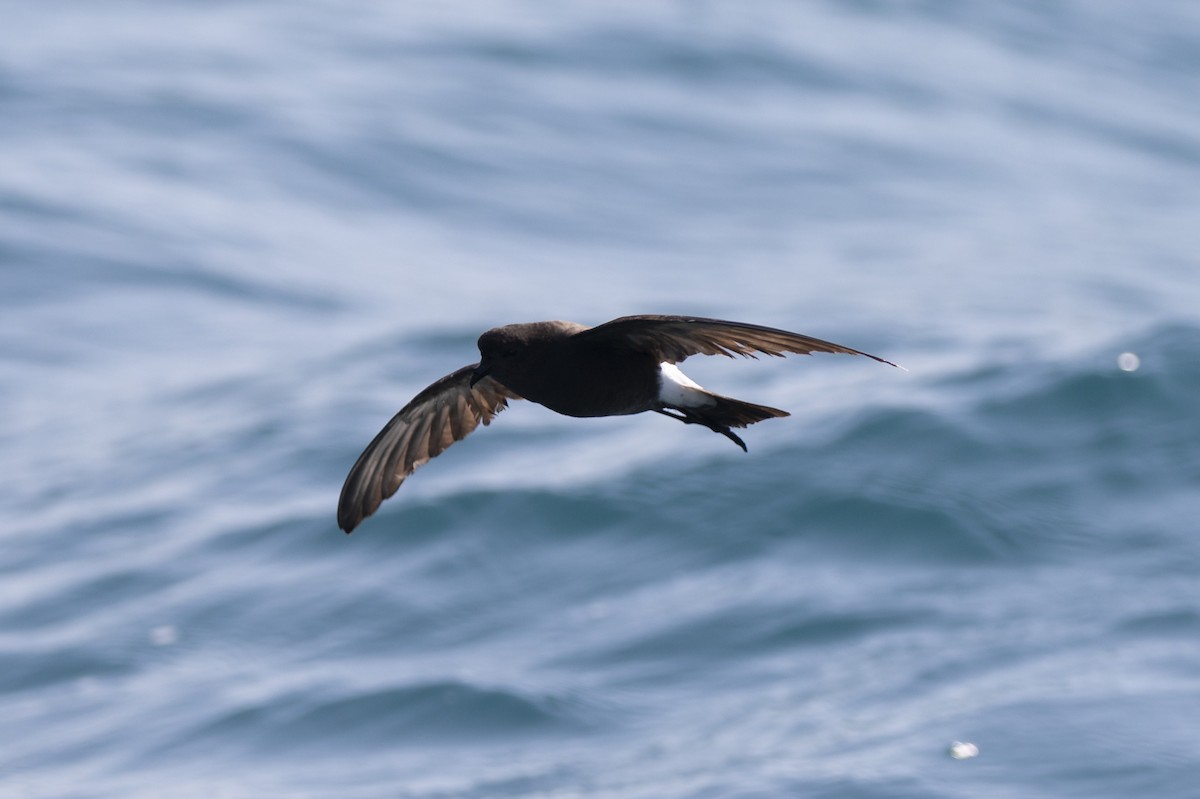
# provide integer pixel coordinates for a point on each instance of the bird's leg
(690, 418)
(725, 431)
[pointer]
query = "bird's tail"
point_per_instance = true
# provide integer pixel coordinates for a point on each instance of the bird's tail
(724, 413)
(730, 412)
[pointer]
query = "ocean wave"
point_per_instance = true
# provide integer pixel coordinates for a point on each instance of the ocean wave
(432, 712)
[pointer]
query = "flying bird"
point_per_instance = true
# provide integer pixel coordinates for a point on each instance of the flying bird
(621, 367)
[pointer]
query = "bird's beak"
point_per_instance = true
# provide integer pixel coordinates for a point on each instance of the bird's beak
(481, 371)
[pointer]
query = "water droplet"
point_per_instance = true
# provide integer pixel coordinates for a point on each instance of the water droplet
(963, 750)
(1128, 361)
(165, 635)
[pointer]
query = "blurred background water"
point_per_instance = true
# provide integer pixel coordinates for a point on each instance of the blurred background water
(236, 237)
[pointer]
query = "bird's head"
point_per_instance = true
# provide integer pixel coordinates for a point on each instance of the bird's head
(498, 350)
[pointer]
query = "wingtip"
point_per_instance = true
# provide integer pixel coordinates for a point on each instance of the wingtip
(883, 360)
(347, 524)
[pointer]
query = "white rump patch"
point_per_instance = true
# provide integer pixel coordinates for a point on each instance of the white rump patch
(677, 389)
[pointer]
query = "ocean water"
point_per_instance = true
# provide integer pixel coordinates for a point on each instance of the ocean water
(236, 237)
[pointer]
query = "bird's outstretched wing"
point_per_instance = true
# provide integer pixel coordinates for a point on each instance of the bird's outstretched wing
(443, 413)
(674, 338)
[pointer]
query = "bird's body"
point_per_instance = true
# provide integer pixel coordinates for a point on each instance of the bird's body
(582, 379)
(622, 367)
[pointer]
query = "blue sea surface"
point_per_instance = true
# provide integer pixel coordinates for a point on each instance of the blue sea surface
(235, 238)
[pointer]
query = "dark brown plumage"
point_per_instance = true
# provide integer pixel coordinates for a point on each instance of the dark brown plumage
(620, 367)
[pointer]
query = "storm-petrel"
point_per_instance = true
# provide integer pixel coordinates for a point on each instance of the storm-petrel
(620, 367)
